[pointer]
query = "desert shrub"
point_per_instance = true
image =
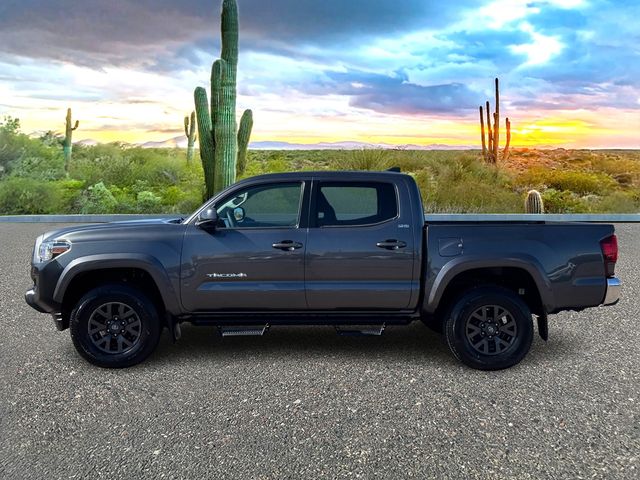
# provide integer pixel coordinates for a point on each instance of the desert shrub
(363, 159)
(148, 202)
(48, 165)
(27, 157)
(21, 196)
(187, 206)
(619, 202)
(158, 166)
(262, 162)
(575, 181)
(562, 201)
(98, 199)
(102, 164)
(172, 195)
(70, 195)
(471, 196)
(126, 199)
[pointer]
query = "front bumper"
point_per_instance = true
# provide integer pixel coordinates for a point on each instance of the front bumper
(30, 298)
(612, 294)
(37, 302)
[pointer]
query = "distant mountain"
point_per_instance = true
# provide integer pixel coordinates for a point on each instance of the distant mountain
(351, 145)
(181, 142)
(87, 142)
(175, 142)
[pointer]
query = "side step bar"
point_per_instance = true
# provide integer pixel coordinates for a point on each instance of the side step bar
(259, 330)
(243, 330)
(360, 330)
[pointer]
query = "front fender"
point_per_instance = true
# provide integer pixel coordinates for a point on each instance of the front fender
(459, 265)
(148, 263)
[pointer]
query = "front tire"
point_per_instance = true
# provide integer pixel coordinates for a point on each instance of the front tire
(115, 326)
(489, 328)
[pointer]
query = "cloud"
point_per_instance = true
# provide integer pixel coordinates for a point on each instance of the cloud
(394, 94)
(96, 32)
(123, 33)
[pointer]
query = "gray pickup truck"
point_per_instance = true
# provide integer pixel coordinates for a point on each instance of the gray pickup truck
(348, 249)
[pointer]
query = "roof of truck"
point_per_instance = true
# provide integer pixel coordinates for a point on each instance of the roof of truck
(326, 174)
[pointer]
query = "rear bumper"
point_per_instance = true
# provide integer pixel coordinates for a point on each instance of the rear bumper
(612, 294)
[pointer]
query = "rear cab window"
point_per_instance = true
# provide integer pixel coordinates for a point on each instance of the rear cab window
(354, 203)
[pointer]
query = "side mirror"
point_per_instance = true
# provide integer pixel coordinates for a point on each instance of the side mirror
(207, 219)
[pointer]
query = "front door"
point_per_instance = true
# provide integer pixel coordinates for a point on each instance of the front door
(254, 259)
(360, 248)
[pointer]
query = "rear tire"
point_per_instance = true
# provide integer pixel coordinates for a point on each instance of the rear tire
(115, 326)
(489, 328)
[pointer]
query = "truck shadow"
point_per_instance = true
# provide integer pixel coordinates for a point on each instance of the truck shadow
(413, 342)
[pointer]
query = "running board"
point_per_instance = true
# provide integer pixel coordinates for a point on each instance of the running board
(243, 330)
(360, 330)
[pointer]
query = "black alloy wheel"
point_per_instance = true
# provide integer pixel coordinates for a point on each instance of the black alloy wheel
(115, 326)
(489, 328)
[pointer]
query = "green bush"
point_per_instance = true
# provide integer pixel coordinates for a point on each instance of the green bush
(98, 199)
(620, 202)
(562, 201)
(364, 159)
(148, 202)
(23, 196)
(70, 195)
(49, 165)
(575, 181)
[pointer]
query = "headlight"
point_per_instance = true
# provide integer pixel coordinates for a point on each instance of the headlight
(49, 250)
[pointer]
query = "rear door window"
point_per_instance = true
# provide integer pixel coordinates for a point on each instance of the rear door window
(354, 203)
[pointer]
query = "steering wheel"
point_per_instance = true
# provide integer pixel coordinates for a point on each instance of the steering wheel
(230, 219)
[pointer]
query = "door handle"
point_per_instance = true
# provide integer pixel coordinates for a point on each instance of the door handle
(287, 245)
(392, 244)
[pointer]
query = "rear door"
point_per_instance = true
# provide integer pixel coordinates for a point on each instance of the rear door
(360, 247)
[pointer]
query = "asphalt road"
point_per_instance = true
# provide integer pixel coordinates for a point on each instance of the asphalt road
(306, 403)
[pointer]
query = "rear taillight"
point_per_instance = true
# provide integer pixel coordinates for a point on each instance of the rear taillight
(609, 248)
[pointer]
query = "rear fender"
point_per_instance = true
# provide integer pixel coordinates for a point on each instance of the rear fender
(462, 264)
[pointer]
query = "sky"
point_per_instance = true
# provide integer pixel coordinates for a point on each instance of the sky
(379, 71)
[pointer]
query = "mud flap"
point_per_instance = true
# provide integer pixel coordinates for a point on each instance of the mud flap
(174, 327)
(543, 326)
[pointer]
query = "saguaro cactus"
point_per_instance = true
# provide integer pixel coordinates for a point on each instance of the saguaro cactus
(491, 145)
(217, 130)
(244, 132)
(68, 142)
(190, 132)
(533, 202)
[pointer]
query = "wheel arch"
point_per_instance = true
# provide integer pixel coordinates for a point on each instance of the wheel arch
(141, 271)
(516, 275)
